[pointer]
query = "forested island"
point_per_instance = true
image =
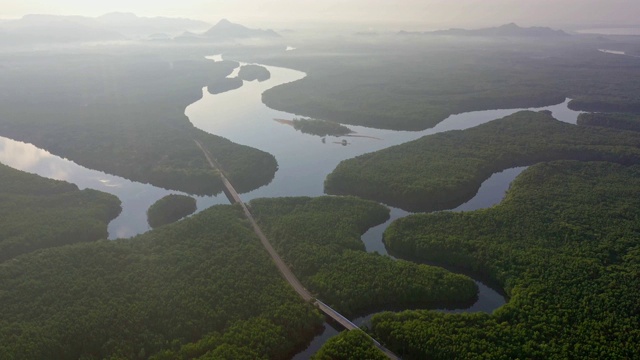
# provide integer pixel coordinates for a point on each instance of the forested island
(38, 213)
(317, 127)
(564, 246)
(254, 72)
(320, 127)
(170, 209)
(444, 170)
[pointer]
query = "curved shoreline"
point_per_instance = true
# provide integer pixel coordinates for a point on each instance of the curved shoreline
(492, 298)
(136, 197)
(385, 138)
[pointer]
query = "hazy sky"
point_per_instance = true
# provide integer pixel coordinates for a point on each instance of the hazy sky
(426, 13)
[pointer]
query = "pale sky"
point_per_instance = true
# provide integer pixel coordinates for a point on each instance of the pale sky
(431, 13)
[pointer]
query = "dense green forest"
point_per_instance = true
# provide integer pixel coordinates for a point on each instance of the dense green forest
(349, 345)
(620, 121)
(38, 213)
(414, 82)
(123, 113)
(223, 85)
(444, 170)
(319, 238)
(170, 209)
(604, 103)
(203, 288)
(320, 127)
(565, 246)
(254, 72)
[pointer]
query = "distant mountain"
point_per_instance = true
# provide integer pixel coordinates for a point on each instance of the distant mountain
(45, 29)
(226, 30)
(135, 26)
(190, 34)
(159, 36)
(114, 26)
(32, 20)
(188, 37)
(508, 30)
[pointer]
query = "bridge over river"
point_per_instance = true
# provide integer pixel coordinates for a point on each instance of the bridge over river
(234, 198)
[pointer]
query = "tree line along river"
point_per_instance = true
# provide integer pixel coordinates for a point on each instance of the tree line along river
(304, 161)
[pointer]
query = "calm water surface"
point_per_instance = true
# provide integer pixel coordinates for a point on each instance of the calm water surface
(304, 162)
(239, 115)
(617, 52)
(135, 197)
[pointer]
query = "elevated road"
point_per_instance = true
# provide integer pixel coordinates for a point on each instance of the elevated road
(288, 275)
(233, 196)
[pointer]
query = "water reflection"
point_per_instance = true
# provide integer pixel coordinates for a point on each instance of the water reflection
(17, 155)
(240, 116)
(616, 52)
(327, 333)
(136, 197)
(303, 161)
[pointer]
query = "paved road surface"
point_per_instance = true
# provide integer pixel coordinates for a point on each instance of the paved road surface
(233, 196)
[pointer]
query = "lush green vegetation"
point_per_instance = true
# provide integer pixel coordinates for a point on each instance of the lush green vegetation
(412, 83)
(319, 238)
(444, 170)
(320, 127)
(349, 345)
(254, 72)
(200, 288)
(223, 85)
(38, 213)
(627, 104)
(169, 209)
(123, 113)
(616, 120)
(565, 246)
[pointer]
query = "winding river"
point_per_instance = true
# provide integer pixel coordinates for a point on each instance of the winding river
(135, 197)
(303, 160)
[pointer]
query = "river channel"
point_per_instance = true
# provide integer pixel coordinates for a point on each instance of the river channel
(305, 160)
(303, 163)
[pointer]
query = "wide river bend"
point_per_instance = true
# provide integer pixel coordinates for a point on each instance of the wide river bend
(303, 163)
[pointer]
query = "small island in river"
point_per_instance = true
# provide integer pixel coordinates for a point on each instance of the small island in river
(170, 209)
(223, 85)
(254, 72)
(317, 127)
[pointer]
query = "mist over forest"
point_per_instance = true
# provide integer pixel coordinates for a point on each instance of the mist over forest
(320, 180)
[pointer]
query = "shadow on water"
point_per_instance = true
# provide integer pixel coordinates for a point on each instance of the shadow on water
(327, 333)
